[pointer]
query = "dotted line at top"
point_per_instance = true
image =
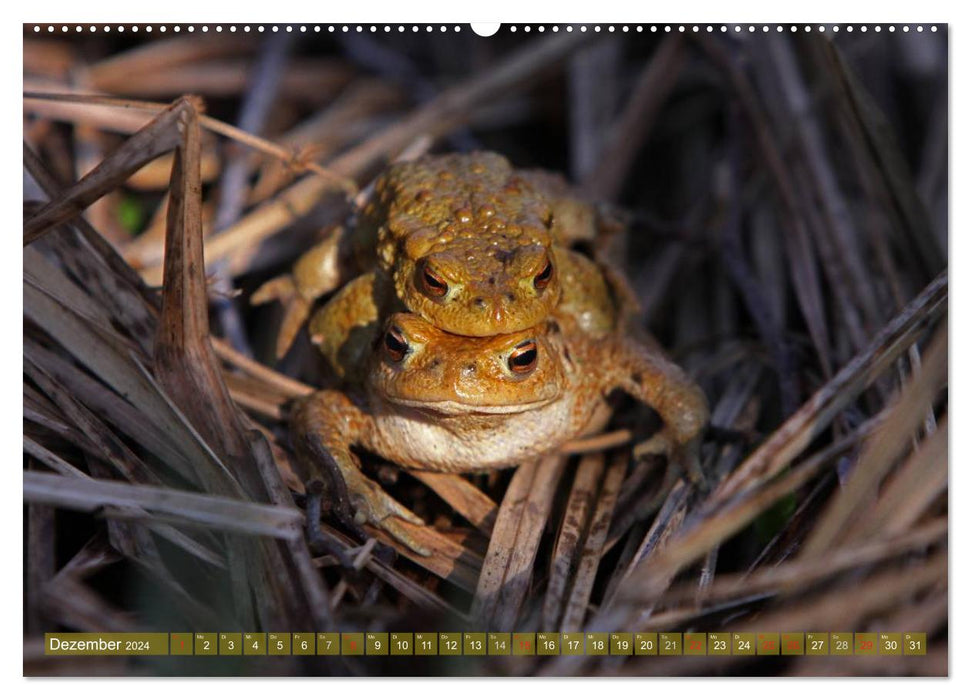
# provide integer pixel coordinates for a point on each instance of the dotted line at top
(401, 28)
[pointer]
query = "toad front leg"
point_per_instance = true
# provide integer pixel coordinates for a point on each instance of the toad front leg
(324, 426)
(661, 384)
(317, 272)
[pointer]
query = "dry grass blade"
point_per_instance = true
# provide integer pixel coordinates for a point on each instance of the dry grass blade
(899, 334)
(125, 303)
(107, 444)
(185, 363)
(277, 382)
(41, 273)
(907, 414)
(822, 175)
(810, 420)
(892, 165)
(597, 443)
(159, 136)
(911, 491)
(188, 368)
(214, 125)
(569, 539)
(652, 575)
(854, 604)
(808, 573)
(115, 73)
(653, 85)
(225, 514)
(593, 546)
(101, 116)
(73, 604)
(306, 586)
(153, 436)
(124, 275)
(805, 277)
(507, 569)
(113, 363)
(466, 499)
(415, 592)
(448, 559)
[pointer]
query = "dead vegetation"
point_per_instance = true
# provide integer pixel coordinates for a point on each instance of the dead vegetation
(788, 243)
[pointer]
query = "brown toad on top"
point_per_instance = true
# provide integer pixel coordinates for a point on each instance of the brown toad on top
(463, 240)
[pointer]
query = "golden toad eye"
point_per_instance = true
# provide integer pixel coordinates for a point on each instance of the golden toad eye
(522, 360)
(395, 345)
(430, 283)
(542, 280)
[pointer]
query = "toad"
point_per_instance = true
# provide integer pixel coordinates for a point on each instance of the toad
(436, 401)
(464, 240)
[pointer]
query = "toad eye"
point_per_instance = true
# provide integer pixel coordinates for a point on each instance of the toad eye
(430, 283)
(395, 345)
(542, 280)
(522, 360)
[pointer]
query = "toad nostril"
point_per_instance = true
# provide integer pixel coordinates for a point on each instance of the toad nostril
(480, 302)
(511, 297)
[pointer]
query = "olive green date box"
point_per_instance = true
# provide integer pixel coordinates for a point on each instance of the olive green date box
(841, 643)
(793, 644)
(376, 643)
(695, 644)
(743, 644)
(278, 644)
(621, 643)
(915, 643)
(768, 643)
(524, 644)
(180, 644)
(817, 644)
(500, 644)
(645, 644)
(474, 643)
(206, 644)
(328, 643)
(254, 644)
(450, 644)
(548, 643)
(866, 643)
(230, 644)
(598, 643)
(352, 644)
(891, 644)
(669, 643)
(402, 643)
(426, 644)
(719, 644)
(302, 644)
(571, 644)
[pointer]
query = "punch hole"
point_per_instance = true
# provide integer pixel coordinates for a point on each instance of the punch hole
(485, 29)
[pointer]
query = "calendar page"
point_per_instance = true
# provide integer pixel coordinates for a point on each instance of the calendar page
(510, 350)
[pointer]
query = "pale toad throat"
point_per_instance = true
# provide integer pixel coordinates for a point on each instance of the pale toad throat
(460, 408)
